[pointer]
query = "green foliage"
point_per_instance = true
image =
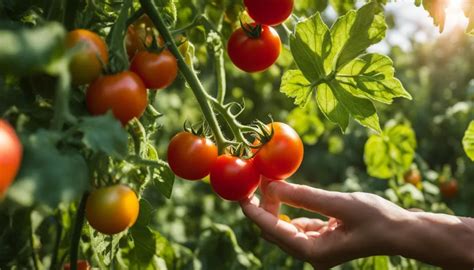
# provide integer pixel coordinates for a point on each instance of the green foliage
(437, 10)
(391, 153)
(331, 63)
(468, 141)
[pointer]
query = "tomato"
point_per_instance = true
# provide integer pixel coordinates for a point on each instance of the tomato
(140, 36)
(81, 265)
(10, 155)
(123, 93)
(413, 177)
(156, 70)
(233, 178)
(254, 54)
(269, 12)
(113, 209)
(87, 64)
(449, 189)
(133, 42)
(282, 155)
(191, 157)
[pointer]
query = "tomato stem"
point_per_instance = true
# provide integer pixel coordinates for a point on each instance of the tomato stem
(76, 233)
(191, 78)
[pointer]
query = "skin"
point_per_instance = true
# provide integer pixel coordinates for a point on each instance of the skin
(190, 156)
(254, 54)
(234, 179)
(359, 225)
(10, 155)
(88, 62)
(124, 93)
(280, 157)
(113, 209)
(259, 10)
(156, 70)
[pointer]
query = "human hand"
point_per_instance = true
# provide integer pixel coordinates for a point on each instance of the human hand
(360, 224)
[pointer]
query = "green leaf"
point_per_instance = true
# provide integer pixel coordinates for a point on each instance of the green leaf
(372, 76)
(342, 6)
(331, 107)
(104, 134)
(307, 123)
(390, 153)
(468, 141)
(168, 10)
(25, 51)
(116, 37)
(144, 248)
(163, 180)
(294, 84)
(353, 33)
(48, 175)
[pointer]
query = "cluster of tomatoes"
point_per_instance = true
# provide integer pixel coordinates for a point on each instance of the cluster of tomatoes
(449, 189)
(123, 93)
(235, 178)
(255, 47)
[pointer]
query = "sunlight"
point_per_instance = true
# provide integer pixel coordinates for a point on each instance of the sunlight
(454, 15)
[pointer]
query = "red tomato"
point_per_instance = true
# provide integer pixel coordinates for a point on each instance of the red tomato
(269, 12)
(156, 70)
(140, 36)
(281, 156)
(123, 93)
(413, 177)
(87, 63)
(449, 189)
(113, 209)
(254, 54)
(10, 155)
(81, 265)
(190, 156)
(233, 178)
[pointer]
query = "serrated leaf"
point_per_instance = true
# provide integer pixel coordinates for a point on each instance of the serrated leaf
(104, 134)
(353, 33)
(48, 175)
(468, 141)
(294, 84)
(372, 76)
(331, 107)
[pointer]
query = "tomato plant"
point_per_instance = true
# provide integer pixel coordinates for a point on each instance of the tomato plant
(254, 48)
(190, 156)
(10, 155)
(449, 189)
(281, 156)
(233, 178)
(157, 70)
(123, 93)
(413, 177)
(112, 209)
(90, 59)
(81, 265)
(269, 12)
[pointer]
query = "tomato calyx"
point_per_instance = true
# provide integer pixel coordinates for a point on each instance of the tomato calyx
(252, 30)
(265, 133)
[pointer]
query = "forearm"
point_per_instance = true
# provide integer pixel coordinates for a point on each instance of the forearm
(438, 239)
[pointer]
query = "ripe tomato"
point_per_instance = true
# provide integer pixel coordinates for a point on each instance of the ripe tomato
(233, 178)
(81, 265)
(190, 156)
(113, 209)
(413, 177)
(269, 12)
(85, 66)
(123, 93)
(156, 70)
(10, 155)
(282, 155)
(449, 189)
(254, 54)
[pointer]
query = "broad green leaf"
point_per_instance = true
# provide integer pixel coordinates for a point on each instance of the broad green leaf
(48, 175)
(468, 141)
(331, 107)
(105, 134)
(437, 10)
(309, 45)
(307, 123)
(163, 180)
(353, 33)
(361, 109)
(342, 6)
(372, 76)
(390, 153)
(24, 51)
(294, 84)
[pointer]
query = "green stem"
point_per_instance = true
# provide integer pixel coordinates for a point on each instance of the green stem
(76, 234)
(220, 72)
(188, 74)
(34, 256)
(61, 103)
(57, 242)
